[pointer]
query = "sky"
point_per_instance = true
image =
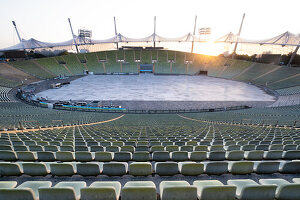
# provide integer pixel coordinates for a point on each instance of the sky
(46, 20)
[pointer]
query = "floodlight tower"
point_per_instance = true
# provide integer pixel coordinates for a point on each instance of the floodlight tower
(293, 55)
(192, 50)
(154, 31)
(116, 33)
(14, 23)
(238, 35)
(74, 39)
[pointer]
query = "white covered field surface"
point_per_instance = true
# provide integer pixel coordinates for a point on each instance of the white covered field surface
(148, 87)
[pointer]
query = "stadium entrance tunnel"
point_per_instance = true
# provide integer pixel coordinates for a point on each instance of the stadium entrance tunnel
(146, 68)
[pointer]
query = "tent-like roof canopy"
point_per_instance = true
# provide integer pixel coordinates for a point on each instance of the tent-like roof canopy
(35, 44)
(284, 39)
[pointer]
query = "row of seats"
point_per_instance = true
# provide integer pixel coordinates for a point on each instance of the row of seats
(82, 156)
(132, 148)
(145, 168)
(246, 189)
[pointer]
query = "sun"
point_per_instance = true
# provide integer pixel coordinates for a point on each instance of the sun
(209, 48)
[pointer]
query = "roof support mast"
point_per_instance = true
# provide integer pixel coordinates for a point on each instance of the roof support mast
(238, 35)
(192, 50)
(14, 23)
(154, 31)
(293, 55)
(74, 39)
(116, 33)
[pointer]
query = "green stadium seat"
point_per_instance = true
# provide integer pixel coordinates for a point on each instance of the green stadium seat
(26, 156)
(290, 167)
(35, 148)
(296, 180)
(285, 190)
(214, 190)
(34, 186)
(198, 155)
(160, 156)
(179, 156)
(291, 155)
(201, 148)
(142, 148)
(250, 190)
(76, 185)
(140, 168)
(112, 148)
(104, 156)
(88, 169)
(8, 184)
(266, 167)
(122, 156)
(81, 148)
(35, 169)
(128, 148)
(5, 148)
(273, 155)
(46, 156)
(20, 148)
(166, 168)
(8, 155)
(157, 148)
(190, 168)
(172, 148)
(62, 169)
(254, 155)
(17, 194)
(102, 190)
(65, 156)
(216, 155)
(83, 156)
(233, 147)
(66, 148)
(145, 190)
(240, 167)
(141, 156)
(215, 167)
(55, 193)
(10, 169)
(177, 190)
(115, 168)
(234, 155)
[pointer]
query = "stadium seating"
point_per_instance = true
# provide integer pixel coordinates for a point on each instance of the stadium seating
(242, 154)
(53, 66)
(32, 67)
